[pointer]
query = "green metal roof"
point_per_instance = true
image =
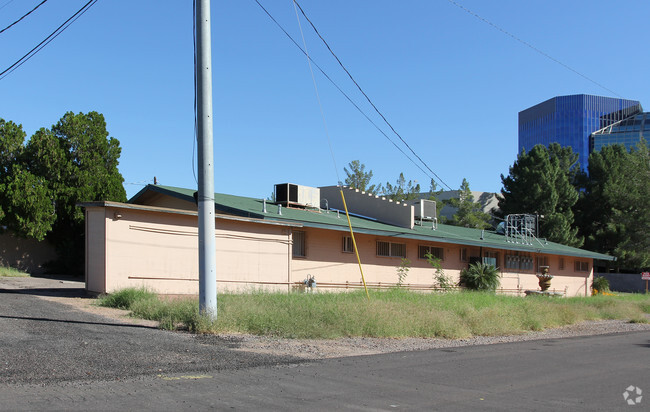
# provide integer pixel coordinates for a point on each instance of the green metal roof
(315, 218)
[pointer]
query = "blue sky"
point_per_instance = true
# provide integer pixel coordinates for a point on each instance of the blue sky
(449, 83)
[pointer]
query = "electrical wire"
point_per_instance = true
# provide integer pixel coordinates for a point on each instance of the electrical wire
(28, 13)
(320, 104)
(329, 142)
(341, 90)
(48, 39)
(6, 4)
(530, 46)
(368, 98)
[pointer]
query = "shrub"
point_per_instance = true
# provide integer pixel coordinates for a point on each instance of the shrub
(125, 298)
(480, 276)
(403, 271)
(439, 278)
(601, 284)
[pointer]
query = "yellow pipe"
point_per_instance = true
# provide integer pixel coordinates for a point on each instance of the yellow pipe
(354, 243)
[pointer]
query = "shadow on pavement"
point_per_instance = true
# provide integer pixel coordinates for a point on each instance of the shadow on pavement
(124, 325)
(66, 292)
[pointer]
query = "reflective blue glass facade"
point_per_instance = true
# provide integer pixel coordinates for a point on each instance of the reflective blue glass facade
(570, 120)
(628, 132)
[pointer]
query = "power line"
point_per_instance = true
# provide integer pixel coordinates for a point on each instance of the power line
(366, 96)
(342, 92)
(530, 46)
(48, 39)
(6, 4)
(320, 104)
(28, 13)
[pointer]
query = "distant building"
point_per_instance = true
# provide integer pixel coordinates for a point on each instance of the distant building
(570, 121)
(627, 132)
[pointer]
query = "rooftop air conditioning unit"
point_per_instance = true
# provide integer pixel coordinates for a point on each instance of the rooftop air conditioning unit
(425, 210)
(289, 194)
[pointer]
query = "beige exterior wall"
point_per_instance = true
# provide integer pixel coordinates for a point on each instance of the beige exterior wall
(27, 255)
(160, 251)
(96, 249)
(327, 262)
(130, 247)
(332, 268)
(566, 280)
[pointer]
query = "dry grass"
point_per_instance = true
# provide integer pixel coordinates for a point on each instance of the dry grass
(394, 313)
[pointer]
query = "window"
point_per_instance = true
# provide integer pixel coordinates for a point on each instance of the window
(561, 263)
(512, 262)
(391, 249)
(541, 261)
(581, 266)
(436, 252)
(521, 262)
(348, 247)
(491, 258)
(299, 243)
(526, 263)
(463, 254)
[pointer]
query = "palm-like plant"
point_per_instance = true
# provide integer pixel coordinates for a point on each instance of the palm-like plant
(480, 276)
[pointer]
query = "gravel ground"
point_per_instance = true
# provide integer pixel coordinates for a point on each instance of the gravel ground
(70, 294)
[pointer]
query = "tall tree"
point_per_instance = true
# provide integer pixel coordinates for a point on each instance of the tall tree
(358, 178)
(25, 201)
(568, 160)
(538, 184)
(631, 214)
(595, 209)
(402, 190)
(12, 137)
(74, 161)
(468, 212)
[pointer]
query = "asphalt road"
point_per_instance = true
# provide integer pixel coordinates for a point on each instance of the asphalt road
(53, 357)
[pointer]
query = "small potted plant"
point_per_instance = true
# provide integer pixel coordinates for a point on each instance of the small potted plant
(544, 278)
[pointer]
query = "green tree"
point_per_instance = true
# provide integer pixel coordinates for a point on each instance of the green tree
(538, 183)
(25, 200)
(468, 213)
(12, 137)
(75, 161)
(358, 178)
(568, 161)
(595, 209)
(402, 190)
(28, 205)
(631, 214)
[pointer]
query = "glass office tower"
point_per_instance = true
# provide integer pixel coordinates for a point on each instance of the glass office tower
(628, 132)
(570, 120)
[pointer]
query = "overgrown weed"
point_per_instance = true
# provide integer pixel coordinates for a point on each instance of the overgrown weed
(395, 313)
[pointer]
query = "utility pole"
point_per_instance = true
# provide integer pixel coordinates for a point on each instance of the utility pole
(207, 243)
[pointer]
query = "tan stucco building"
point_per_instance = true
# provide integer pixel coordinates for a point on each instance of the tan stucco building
(152, 241)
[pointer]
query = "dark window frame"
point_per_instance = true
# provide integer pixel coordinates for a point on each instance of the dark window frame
(300, 240)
